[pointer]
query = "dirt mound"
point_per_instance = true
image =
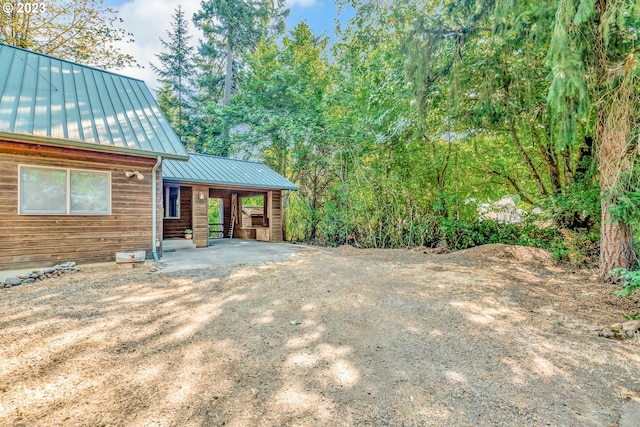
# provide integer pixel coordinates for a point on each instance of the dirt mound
(495, 253)
(508, 253)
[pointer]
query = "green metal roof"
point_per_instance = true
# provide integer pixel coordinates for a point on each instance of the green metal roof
(205, 169)
(50, 100)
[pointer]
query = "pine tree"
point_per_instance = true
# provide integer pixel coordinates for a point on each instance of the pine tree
(175, 72)
(234, 27)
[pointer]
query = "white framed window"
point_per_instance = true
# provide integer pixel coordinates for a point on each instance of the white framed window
(57, 191)
(172, 202)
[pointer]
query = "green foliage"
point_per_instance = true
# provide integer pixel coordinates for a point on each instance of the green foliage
(627, 207)
(577, 248)
(463, 235)
(568, 95)
(80, 31)
(630, 281)
(214, 211)
(253, 201)
(234, 28)
(578, 206)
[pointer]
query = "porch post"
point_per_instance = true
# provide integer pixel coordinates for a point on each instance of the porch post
(200, 215)
(274, 210)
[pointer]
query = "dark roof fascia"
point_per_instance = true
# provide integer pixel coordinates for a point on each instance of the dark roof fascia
(65, 143)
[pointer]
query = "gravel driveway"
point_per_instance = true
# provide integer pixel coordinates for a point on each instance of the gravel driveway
(493, 336)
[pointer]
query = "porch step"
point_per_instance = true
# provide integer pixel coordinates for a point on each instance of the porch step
(177, 244)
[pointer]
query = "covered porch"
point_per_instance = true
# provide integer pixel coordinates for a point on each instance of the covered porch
(216, 212)
(217, 197)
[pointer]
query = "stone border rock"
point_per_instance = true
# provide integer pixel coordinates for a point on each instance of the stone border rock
(39, 275)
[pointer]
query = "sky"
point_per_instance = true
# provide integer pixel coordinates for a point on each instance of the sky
(149, 20)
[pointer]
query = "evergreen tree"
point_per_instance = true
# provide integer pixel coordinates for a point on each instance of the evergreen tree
(594, 79)
(175, 72)
(280, 112)
(233, 27)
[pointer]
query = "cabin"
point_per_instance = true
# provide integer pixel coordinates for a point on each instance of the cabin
(83, 154)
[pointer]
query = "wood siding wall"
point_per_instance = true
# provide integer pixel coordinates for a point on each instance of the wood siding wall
(42, 240)
(175, 227)
(246, 220)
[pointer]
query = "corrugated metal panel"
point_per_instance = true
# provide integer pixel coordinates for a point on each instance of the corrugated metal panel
(213, 170)
(66, 103)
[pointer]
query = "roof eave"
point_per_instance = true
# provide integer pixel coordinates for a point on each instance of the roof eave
(230, 184)
(66, 143)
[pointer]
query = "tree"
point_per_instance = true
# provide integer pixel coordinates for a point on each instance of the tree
(590, 94)
(233, 27)
(176, 75)
(80, 30)
(281, 113)
(593, 74)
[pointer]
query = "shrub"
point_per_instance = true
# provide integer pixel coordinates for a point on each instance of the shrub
(462, 235)
(630, 281)
(579, 249)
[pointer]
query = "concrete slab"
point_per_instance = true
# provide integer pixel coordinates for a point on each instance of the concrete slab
(228, 251)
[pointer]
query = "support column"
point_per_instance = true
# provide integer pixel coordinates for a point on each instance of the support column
(274, 210)
(200, 215)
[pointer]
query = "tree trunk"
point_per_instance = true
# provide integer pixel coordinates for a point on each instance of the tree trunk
(228, 78)
(527, 159)
(549, 160)
(616, 244)
(616, 237)
(568, 177)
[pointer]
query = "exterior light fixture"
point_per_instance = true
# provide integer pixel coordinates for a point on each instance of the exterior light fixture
(137, 174)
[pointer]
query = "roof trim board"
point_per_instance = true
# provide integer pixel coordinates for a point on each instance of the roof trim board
(224, 184)
(10, 137)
